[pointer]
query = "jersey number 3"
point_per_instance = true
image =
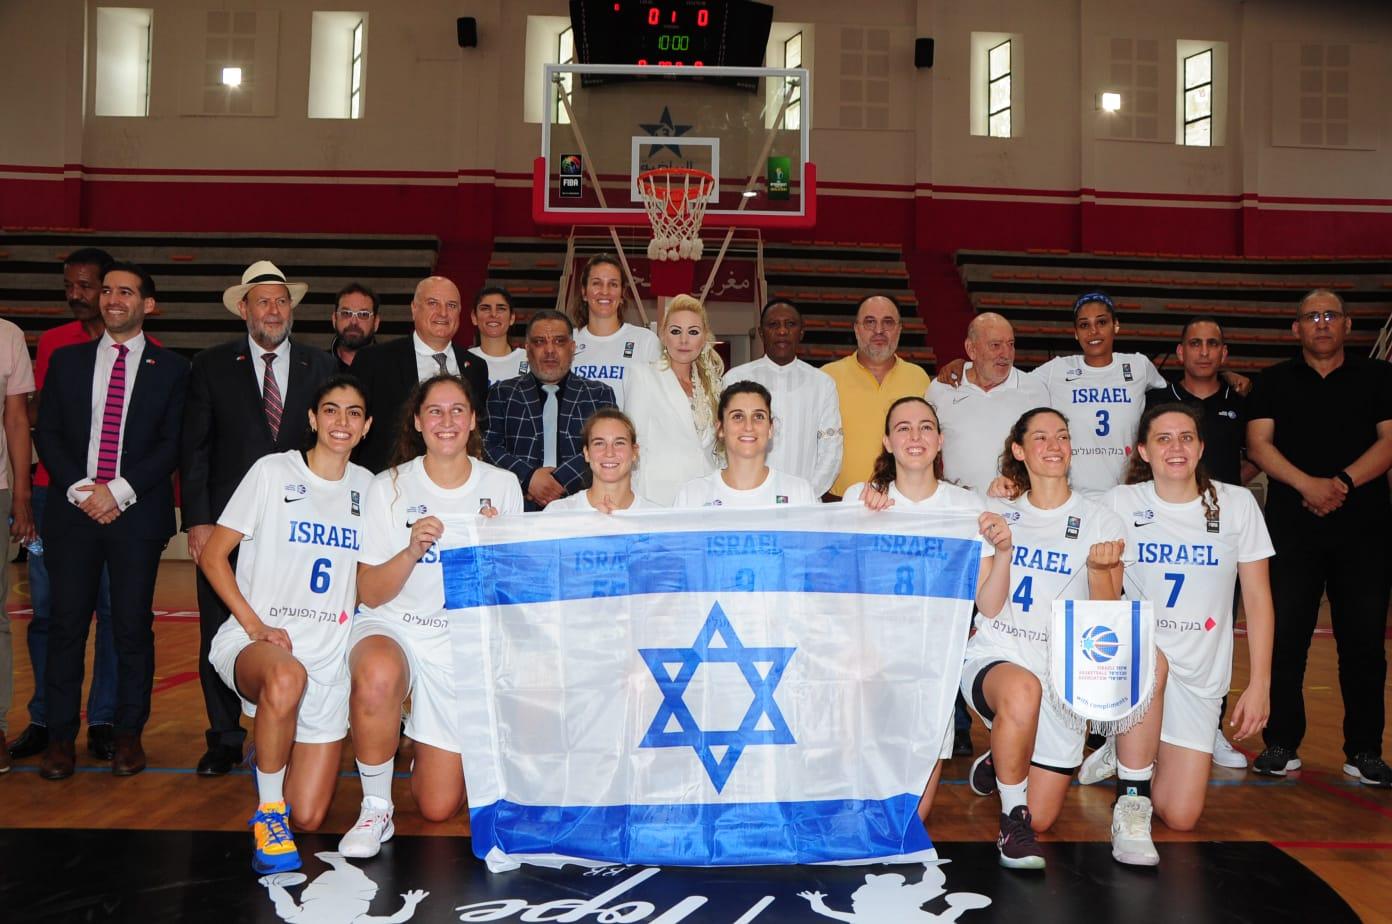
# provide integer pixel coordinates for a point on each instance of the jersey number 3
(1104, 423)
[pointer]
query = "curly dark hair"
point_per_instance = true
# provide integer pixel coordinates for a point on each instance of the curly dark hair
(1138, 470)
(884, 471)
(1011, 468)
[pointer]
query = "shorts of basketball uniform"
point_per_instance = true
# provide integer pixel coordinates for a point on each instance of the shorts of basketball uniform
(1058, 746)
(1189, 720)
(323, 714)
(434, 717)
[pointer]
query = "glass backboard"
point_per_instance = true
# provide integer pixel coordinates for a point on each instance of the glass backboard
(748, 127)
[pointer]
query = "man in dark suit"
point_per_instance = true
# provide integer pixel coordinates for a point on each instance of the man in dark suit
(109, 433)
(536, 418)
(247, 399)
(391, 370)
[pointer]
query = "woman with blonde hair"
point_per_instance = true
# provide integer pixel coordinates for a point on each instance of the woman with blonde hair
(673, 403)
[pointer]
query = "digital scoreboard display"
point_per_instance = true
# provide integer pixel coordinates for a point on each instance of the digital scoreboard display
(671, 33)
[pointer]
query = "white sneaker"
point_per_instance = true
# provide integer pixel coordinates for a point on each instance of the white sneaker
(374, 828)
(1131, 843)
(1225, 755)
(1100, 764)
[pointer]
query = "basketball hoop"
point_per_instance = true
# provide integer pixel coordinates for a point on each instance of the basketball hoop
(675, 198)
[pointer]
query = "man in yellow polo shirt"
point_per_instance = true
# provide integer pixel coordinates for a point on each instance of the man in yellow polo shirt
(868, 382)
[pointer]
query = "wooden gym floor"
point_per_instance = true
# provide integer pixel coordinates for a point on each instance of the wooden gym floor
(1339, 830)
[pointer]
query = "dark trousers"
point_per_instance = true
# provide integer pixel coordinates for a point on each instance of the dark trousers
(76, 556)
(1350, 564)
(223, 705)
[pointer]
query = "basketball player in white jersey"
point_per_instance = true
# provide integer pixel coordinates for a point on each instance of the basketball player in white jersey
(610, 445)
(400, 642)
(606, 346)
(493, 317)
(907, 479)
(744, 424)
(1192, 539)
(297, 522)
(1066, 547)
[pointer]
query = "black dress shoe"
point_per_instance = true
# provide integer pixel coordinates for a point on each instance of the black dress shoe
(31, 742)
(101, 742)
(129, 758)
(59, 761)
(219, 760)
(961, 744)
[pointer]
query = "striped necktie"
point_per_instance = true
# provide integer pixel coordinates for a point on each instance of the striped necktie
(108, 451)
(270, 397)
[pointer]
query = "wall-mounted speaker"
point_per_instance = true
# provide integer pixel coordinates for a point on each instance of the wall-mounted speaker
(467, 29)
(923, 52)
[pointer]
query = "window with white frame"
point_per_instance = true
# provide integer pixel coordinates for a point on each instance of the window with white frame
(565, 54)
(123, 61)
(998, 90)
(355, 74)
(792, 57)
(1198, 99)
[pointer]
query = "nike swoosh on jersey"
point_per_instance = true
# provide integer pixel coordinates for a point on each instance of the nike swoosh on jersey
(1142, 523)
(291, 500)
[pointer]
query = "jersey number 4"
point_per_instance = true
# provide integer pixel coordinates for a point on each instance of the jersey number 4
(1024, 594)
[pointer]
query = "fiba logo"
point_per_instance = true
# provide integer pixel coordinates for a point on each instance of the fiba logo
(1100, 644)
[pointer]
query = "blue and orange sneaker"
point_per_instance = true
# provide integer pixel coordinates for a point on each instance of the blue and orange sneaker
(275, 847)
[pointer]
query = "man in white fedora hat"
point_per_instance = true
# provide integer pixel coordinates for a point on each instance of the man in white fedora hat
(247, 398)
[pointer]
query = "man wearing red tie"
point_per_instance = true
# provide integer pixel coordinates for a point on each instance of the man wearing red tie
(246, 399)
(108, 432)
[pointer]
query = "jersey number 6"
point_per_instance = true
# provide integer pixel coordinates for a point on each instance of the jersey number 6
(319, 576)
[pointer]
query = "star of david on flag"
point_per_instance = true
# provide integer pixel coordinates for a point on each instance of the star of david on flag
(763, 723)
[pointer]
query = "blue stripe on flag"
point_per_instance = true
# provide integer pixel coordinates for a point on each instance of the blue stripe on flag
(582, 568)
(1068, 642)
(743, 834)
(1135, 652)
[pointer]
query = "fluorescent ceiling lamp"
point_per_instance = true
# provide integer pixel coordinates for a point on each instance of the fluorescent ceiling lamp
(1111, 102)
(232, 76)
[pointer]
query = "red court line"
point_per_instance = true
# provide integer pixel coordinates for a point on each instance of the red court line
(1334, 845)
(1316, 778)
(173, 680)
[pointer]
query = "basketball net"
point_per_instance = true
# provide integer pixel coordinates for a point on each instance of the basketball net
(675, 199)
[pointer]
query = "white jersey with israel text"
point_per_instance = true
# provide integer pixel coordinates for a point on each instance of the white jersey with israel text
(397, 498)
(1186, 565)
(1048, 563)
(297, 563)
(1103, 405)
(608, 359)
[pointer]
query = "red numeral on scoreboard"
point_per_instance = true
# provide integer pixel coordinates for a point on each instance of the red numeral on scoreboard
(654, 16)
(642, 62)
(703, 17)
(674, 16)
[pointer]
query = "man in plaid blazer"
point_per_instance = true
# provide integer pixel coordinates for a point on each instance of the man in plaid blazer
(534, 420)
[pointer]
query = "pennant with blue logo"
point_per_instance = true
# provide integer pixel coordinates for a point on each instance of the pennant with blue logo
(1102, 660)
(722, 687)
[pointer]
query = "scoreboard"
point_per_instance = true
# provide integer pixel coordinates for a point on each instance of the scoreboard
(672, 33)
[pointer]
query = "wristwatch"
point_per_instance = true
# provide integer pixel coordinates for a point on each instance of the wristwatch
(1344, 477)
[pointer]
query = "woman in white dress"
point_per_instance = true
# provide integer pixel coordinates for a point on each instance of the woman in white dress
(610, 445)
(607, 348)
(745, 424)
(493, 317)
(907, 478)
(673, 404)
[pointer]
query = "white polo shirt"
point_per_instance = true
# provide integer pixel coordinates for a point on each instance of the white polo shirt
(976, 422)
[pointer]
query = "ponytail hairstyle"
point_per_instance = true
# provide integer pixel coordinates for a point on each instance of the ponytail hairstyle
(884, 472)
(1011, 468)
(608, 413)
(1139, 469)
(341, 380)
(743, 387)
(706, 371)
(579, 310)
(410, 443)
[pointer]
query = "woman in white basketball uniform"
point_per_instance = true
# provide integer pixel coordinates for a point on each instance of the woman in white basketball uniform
(744, 425)
(493, 317)
(1066, 546)
(296, 522)
(610, 445)
(607, 347)
(1192, 538)
(400, 643)
(673, 404)
(907, 479)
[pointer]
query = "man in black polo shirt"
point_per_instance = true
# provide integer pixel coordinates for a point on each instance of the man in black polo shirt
(1320, 426)
(1202, 353)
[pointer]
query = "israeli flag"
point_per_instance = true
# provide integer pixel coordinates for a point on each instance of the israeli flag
(715, 687)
